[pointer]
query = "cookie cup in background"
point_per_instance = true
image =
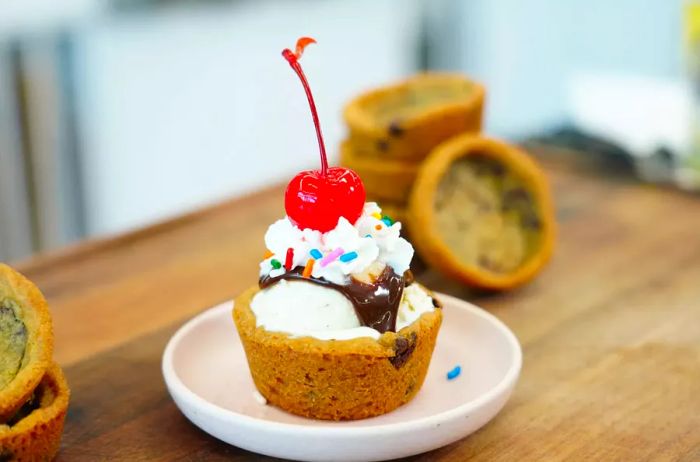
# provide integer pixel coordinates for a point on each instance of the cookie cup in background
(35, 434)
(27, 340)
(481, 213)
(406, 120)
(336, 379)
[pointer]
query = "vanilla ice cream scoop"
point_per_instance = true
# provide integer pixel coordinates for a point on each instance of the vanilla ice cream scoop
(303, 309)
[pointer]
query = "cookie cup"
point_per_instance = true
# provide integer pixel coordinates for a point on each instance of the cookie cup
(37, 436)
(425, 210)
(29, 306)
(406, 120)
(336, 379)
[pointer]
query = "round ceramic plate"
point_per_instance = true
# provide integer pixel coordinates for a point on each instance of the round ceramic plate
(207, 375)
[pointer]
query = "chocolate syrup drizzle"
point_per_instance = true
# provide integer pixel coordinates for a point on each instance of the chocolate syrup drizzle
(376, 304)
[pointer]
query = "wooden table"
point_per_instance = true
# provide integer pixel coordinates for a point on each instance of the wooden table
(610, 330)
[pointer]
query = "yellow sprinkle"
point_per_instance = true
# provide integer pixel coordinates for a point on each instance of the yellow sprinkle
(377, 215)
(267, 255)
(308, 268)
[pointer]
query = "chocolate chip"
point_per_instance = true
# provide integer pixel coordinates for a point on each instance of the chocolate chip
(516, 194)
(30, 406)
(486, 263)
(497, 169)
(531, 221)
(395, 129)
(401, 345)
(486, 166)
(403, 348)
(410, 387)
(383, 145)
(513, 198)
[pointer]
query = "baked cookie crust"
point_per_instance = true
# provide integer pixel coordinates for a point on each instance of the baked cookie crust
(32, 318)
(37, 436)
(337, 379)
(481, 212)
(406, 120)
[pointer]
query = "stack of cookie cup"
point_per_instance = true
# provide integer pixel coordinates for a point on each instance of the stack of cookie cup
(34, 394)
(392, 130)
(478, 210)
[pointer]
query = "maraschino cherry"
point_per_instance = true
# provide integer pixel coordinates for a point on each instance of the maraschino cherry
(316, 199)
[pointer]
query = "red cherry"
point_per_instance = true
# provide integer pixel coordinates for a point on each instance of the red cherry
(316, 199)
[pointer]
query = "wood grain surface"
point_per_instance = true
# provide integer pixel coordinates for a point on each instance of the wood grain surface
(610, 330)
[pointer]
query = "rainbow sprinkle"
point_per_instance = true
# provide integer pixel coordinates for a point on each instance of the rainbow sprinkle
(454, 373)
(316, 253)
(288, 261)
(275, 264)
(377, 215)
(350, 256)
(378, 227)
(268, 254)
(387, 221)
(331, 257)
(308, 268)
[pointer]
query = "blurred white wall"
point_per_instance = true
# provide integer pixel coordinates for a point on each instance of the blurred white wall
(530, 52)
(181, 104)
(37, 17)
(189, 107)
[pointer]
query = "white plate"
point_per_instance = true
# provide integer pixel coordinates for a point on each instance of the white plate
(207, 375)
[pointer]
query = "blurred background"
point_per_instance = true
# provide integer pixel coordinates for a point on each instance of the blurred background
(119, 113)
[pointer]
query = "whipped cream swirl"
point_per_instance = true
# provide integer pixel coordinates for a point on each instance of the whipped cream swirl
(344, 252)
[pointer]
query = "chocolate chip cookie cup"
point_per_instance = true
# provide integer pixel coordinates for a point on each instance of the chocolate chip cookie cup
(337, 379)
(405, 121)
(481, 213)
(337, 328)
(35, 432)
(26, 340)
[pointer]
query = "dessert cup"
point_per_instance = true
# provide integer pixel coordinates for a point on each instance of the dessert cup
(405, 121)
(26, 337)
(337, 328)
(337, 379)
(35, 433)
(348, 339)
(481, 213)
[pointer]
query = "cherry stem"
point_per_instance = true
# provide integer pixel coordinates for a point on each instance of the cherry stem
(293, 59)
